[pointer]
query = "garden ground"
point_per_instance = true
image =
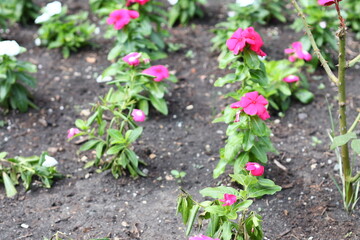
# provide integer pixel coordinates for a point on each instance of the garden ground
(86, 204)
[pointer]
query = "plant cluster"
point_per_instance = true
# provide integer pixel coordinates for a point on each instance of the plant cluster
(138, 27)
(26, 168)
(23, 11)
(59, 30)
(112, 128)
(14, 76)
(184, 10)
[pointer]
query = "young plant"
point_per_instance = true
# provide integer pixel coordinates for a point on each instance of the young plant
(112, 128)
(14, 76)
(244, 14)
(12, 169)
(228, 215)
(104, 7)
(62, 236)
(138, 27)
(178, 175)
(350, 181)
(184, 10)
(23, 11)
(248, 135)
(58, 30)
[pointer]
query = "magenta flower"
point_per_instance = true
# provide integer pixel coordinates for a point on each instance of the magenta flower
(72, 132)
(253, 103)
(138, 115)
(160, 72)
(291, 79)
(241, 38)
(132, 58)
(228, 200)
(120, 18)
(326, 2)
(202, 237)
(255, 168)
(131, 2)
(297, 52)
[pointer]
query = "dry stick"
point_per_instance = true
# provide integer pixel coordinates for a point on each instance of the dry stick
(329, 72)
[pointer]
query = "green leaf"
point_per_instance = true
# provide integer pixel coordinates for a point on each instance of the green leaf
(115, 149)
(9, 186)
(258, 127)
(224, 61)
(144, 106)
(342, 139)
(218, 192)
(134, 134)
(229, 78)
(243, 205)
(233, 146)
(81, 124)
(89, 145)
(226, 232)
(355, 145)
(259, 153)
(244, 180)
(304, 96)
(192, 216)
(115, 52)
(241, 162)
(216, 209)
(116, 135)
(263, 187)
(251, 59)
(220, 168)
(159, 104)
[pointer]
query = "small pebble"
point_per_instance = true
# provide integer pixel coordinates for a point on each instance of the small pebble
(190, 107)
(24, 225)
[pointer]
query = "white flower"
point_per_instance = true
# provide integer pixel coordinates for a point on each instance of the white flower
(49, 161)
(173, 2)
(97, 31)
(10, 48)
(50, 10)
(322, 24)
(244, 3)
(101, 79)
(37, 42)
(231, 13)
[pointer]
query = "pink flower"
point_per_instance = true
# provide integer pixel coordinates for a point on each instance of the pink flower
(131, 2)
(255, 168)
(326, 2)
(241, 38)
(72, 132)
(228, 200)
(138, 115)
(297, 52)
(202, 237)
(132, 58)
(160, 72)
(120, 18)
(291, 79)
(253, 103)
(264, 115)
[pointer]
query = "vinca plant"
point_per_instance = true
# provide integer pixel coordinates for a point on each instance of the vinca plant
(345, 136)
(42, 167)
(22, 11)
(14, 77)
(113, 127)
(138, 27)
(59, 30)
(182, 11)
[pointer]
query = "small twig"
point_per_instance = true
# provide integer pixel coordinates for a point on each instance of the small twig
(352, 62)
(353, 126)
(324, 63)
(279, 165)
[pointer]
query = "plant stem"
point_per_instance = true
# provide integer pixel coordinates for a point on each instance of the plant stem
(346, 166)
(329, 72)
(354, 61)
(355, 178)
(355, 123)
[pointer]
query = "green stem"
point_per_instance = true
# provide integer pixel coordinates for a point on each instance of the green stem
(345, 159)
(355, 178)
(324, 63)
(354, 61)
(355, 123)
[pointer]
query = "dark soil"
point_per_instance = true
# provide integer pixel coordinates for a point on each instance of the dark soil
(87, 205)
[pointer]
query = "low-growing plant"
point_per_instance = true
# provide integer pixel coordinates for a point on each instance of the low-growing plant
(26, 168)
(340, 143)
(178, 175)
(138, 27)
(59, 30)
(14, 76)
(104, 7)
(229, 216)
(23, 11)
(112, 128)
(184, 10)
(244, 14)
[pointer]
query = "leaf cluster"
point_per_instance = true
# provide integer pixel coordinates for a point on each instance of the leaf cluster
(184, 10)
(23, 11)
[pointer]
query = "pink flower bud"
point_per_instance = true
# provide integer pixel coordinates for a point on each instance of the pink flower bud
(132, 58)
(255, 168)
(228, 200)
(326, 2)
(72, 132)
(138, 115)
(291, 79)
(202, 237)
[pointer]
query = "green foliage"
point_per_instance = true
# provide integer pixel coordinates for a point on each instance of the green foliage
(14, 76)
(26, 168)
(68, 32)
(262, 11)
(105, 7)
(23, 11)
(112, 137)
(143, 34)
(184, 10)
(352, 8)
(178, 174)
(228, 222)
